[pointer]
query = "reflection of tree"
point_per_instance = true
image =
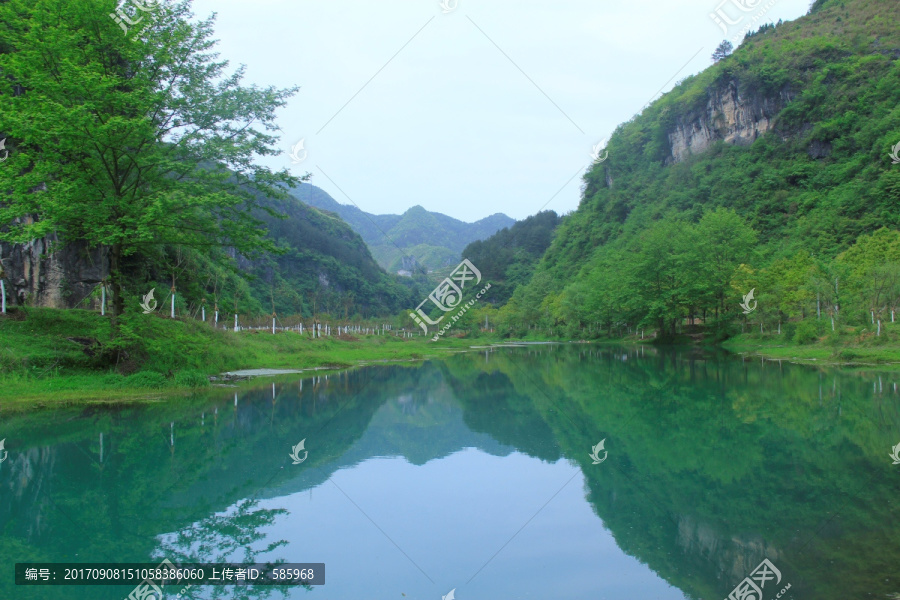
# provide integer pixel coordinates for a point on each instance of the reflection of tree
(714, 463)
(227, 538)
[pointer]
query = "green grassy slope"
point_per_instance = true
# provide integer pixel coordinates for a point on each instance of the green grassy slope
(52, 356)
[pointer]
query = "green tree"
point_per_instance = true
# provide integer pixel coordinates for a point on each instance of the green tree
(130, 141)
(874, 269)
(722, 50)
(658, 274)
(723, 241)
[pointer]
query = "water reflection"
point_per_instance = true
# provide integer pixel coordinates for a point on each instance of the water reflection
(417, 476)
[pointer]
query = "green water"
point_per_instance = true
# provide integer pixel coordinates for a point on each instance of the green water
(474, 474)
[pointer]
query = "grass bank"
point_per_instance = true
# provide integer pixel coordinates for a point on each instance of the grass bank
(53, 357)
(851, 346)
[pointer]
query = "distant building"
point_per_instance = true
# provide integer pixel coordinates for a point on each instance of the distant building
(404, 273)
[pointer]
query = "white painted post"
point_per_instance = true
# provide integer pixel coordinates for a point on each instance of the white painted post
(203, 314)
(102, 300)
(879, 327)
(273, 328)
(235, 322)
(2, 297)
(832, 323)
(173, 303)
(873, 317)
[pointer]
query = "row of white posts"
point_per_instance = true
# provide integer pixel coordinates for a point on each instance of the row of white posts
(316, 330)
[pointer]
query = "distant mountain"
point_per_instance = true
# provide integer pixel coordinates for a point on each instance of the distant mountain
(325, 266)
(434, 240)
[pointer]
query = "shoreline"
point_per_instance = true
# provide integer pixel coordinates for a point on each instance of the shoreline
(45, 363)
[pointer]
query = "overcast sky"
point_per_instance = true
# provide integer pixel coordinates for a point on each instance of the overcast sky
(491, 107)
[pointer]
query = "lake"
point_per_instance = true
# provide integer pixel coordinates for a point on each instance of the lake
(481, 474)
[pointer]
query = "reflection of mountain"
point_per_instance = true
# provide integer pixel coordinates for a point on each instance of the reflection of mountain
(168, 465)
(423, 423)
(713, 464)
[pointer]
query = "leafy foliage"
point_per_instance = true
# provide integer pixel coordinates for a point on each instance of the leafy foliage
(130, 143)
(145, 145)
(659, 241)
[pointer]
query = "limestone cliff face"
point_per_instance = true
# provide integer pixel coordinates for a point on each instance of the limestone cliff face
(728, 116)
(45, 273)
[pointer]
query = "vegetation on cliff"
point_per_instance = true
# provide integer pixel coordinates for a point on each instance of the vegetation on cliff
(662, 240)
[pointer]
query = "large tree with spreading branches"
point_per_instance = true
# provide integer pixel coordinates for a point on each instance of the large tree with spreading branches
(125, 131)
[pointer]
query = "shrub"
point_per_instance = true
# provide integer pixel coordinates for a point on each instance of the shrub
(806, 332)
(144, 379)
(191, 379)
(112, 380)
(789, 330)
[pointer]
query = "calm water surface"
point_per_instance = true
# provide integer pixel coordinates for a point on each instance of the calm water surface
(474, 473)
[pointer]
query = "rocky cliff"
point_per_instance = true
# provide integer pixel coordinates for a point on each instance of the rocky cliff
(44, 272)
(728, 116)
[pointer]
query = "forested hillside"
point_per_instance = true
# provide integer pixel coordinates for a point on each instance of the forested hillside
(757, 174)
(323, 266)
(508, 257)
(434, 240)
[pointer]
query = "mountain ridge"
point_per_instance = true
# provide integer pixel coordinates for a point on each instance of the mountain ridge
(434, 240)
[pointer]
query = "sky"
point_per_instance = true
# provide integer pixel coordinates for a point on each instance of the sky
(472, 108)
